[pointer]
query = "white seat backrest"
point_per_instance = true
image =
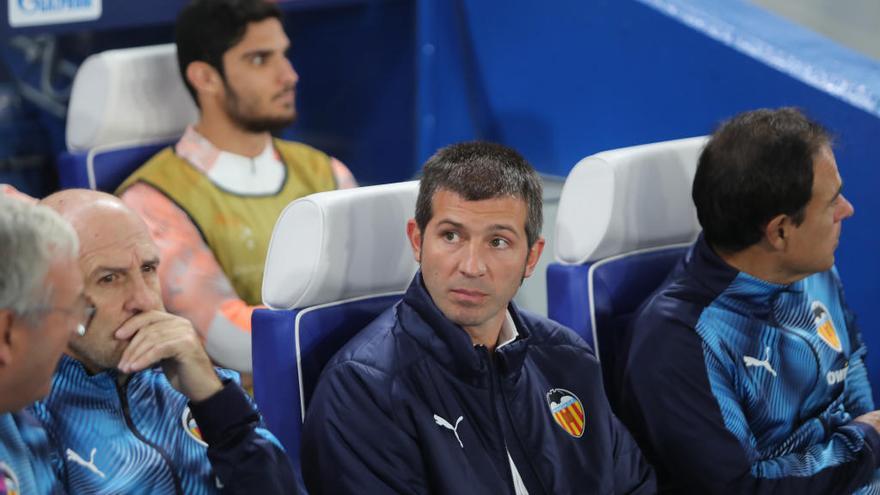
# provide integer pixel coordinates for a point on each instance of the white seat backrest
(131, 95)
(339, 245)
(628, 199)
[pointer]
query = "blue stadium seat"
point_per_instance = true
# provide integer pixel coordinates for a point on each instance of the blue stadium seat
(625, 218)
(335, 262)
(125, 106)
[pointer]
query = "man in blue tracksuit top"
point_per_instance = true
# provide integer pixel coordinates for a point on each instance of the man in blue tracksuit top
(746, 372)
(455, 390)
(41, 302)
(136, 405)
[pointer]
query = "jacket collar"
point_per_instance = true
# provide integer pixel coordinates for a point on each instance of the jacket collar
(71, 369)
(450, 344)
(707, 267)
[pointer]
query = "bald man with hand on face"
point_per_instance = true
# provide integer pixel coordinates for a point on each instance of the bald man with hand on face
(136, 403)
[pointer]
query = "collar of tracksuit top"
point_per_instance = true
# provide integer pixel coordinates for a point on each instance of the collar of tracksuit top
(451, 346)
(708, 269)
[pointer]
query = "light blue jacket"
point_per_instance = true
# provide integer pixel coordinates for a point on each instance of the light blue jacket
(146, 437)
(24, 456)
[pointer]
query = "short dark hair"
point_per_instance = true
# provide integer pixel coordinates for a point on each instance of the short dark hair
(206, 29)
(757, 165)
(480, 170)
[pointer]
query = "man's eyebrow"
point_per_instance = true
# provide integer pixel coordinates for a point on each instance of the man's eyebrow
(108, 270)
(451, 222)
(492, 228)
(122, 269)
(500, 226)
(260, 51)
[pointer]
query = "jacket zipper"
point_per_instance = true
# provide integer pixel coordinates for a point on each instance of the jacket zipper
(126, 413)
(516, 434)
(784, 329)
(492, 385)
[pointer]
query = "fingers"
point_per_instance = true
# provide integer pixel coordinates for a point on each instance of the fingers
(871, 418)
(160, 337)
(155, 346)
(135, 323)
(156, 337)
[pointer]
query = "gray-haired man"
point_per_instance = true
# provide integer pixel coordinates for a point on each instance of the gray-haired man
(41, 302)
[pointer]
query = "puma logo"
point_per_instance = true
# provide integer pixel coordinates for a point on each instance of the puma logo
(442, 422)
(750, 361)
(90, 465)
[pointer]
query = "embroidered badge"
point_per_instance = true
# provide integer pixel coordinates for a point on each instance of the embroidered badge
(192, 429)
(567, 410)
(825, 326)
(8, 481)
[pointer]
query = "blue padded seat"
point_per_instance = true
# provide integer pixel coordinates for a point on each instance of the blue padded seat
(336, 261)
(104, 168)
(625, 218)
(292, 347)
(125, 105)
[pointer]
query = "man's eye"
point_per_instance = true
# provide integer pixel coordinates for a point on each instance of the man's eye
(499, 243)
(148, 268)
(108, 279)
(258, 59)
(450, 236)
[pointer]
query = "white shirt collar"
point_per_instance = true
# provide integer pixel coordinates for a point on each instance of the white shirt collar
(508, 331)
(263, 174)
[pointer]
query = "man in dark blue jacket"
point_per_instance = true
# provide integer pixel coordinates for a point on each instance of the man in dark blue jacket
(746, 372)
(455, 390)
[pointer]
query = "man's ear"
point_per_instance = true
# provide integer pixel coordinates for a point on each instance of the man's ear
(777, 231)
(533, 257)
(204, 78)
(6, 320)
(415, 239)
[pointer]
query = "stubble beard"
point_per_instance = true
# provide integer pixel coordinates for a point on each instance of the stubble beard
(240, 115)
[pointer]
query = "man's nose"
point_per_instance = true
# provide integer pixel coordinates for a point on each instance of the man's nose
(472, 264)
(847, 209)
(288, 73)
(141, 296)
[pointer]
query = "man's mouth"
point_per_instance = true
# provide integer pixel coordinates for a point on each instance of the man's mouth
(471, 296)
(287, 95)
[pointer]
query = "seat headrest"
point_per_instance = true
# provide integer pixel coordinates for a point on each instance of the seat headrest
(628, 199)
(132, 95)
(339, 245)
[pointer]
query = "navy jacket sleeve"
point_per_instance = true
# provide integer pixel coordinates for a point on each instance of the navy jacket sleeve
(677, 416)
(245, 457)
(352, 442)
(632, 473)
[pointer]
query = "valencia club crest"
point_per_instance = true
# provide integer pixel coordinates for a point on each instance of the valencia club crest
(8, 481)
(825, 326)
(567, 411)
(192, 429)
